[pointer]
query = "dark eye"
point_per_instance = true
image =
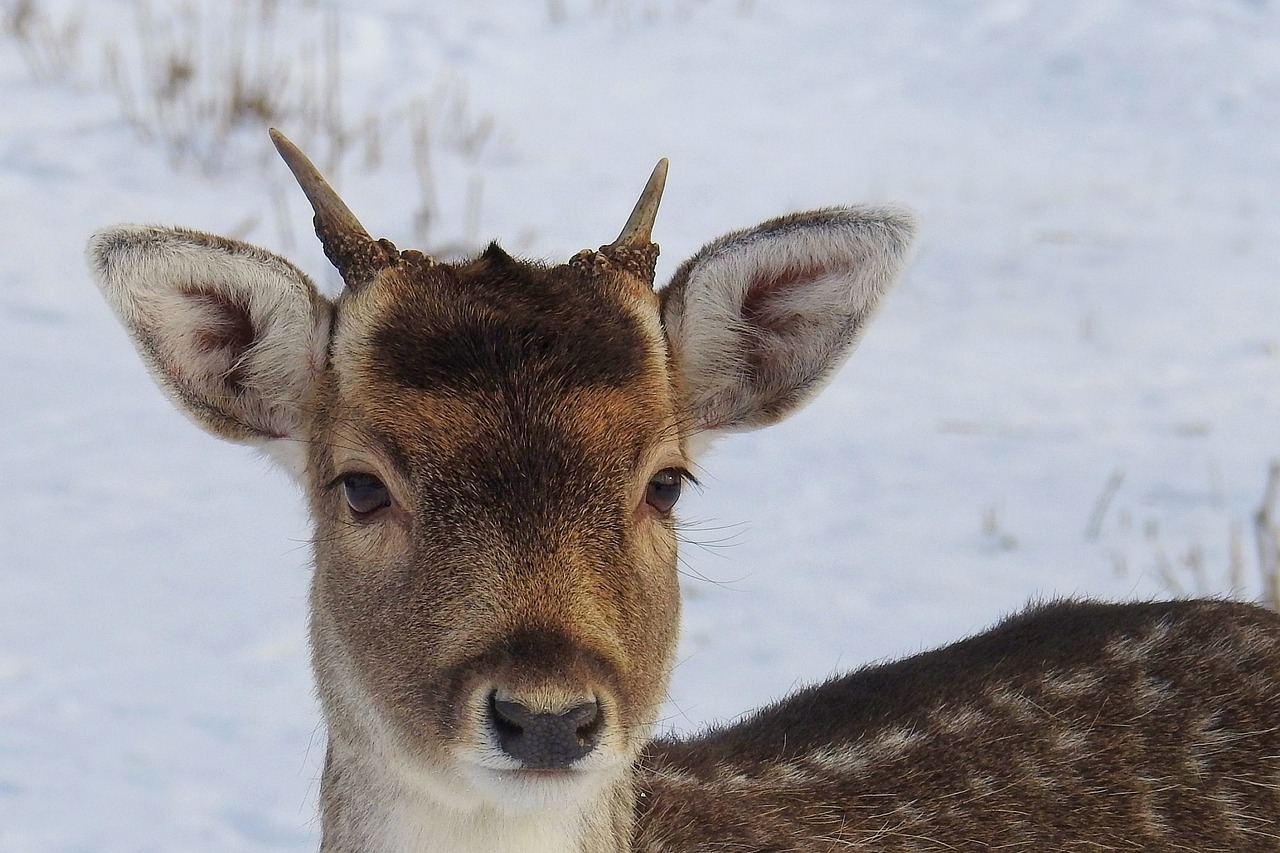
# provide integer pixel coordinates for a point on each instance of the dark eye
(664, 490)
(365, 494)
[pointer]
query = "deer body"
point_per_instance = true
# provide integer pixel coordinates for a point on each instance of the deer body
(492, 451)
(1072, 726)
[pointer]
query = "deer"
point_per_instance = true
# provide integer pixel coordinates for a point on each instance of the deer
(493, 449)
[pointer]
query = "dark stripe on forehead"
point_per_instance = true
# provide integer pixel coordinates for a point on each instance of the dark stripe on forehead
(529, 475)
(497, 323)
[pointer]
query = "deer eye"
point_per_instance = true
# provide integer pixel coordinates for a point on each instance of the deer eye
(664, 490)
(365, 494)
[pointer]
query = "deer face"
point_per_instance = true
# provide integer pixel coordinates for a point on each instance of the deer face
(492, 452)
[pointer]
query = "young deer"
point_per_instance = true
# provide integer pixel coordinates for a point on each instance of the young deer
(492, 451)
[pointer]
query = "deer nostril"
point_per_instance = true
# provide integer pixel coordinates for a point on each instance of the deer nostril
(509, 718)
(586, 720)
(542, 741)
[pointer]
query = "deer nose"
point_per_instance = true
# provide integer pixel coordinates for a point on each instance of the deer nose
(542, 741)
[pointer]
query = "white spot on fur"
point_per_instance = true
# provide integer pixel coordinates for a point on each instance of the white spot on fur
(959, 721)
(1070, 740)
(1015, 704)
(1071, 685)
(676, 776)
(849, 759)
(894, 741)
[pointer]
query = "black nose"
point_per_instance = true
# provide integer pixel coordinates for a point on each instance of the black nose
(545, 741)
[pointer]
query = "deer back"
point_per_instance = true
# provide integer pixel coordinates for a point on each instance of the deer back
(1072, 726)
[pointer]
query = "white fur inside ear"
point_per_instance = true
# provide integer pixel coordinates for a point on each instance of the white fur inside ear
(760, 319)
(235, 334)
(288, 453)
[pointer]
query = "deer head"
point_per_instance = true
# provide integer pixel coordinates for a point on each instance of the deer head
(492, 451)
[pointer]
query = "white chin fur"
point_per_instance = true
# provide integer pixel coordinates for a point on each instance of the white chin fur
(520, 792)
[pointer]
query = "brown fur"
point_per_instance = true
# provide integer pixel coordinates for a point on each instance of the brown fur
(1075, 726)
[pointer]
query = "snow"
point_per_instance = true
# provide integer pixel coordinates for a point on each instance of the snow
(1094, 296)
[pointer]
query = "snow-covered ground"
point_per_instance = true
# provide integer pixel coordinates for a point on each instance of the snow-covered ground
(1095, 302)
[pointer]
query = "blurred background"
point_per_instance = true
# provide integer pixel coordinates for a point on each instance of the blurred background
(1074, 392)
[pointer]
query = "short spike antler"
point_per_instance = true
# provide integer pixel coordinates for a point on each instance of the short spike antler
(639, 228)
(347, 245)
(634, 248)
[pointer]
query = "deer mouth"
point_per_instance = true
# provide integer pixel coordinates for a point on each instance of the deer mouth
(535, 775)
(525, 790)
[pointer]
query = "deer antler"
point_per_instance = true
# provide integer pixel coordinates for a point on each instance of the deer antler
(347, 245)
(639, 228)
(634, 247)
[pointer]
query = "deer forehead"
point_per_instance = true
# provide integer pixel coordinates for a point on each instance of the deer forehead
(497, 365)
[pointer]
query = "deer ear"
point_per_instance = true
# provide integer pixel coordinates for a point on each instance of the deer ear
(234, 334)
(759, 320)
